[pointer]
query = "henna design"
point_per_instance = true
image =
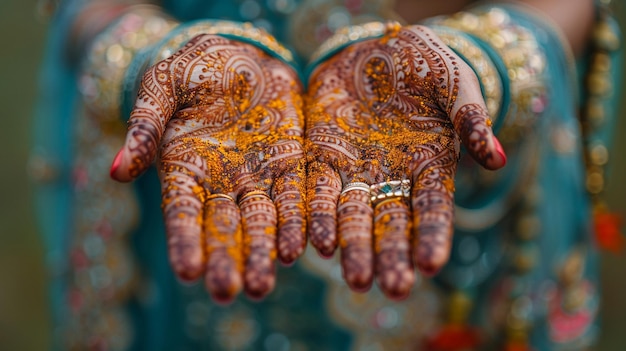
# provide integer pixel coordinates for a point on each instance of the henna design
(323, 187)
(182, 208)
(146, 123)
(389, 109)
(223, 232)
(227, 119)
(433, 205)
(394, 268)
(291, 214)
(472, 120)
(354, 218)
(259, 224)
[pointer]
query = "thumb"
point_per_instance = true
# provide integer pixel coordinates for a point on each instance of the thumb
(473, 124)
(154, 106)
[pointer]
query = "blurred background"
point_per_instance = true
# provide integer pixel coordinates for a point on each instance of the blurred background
(24, 324)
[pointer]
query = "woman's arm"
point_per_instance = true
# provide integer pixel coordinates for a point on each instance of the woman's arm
(573, 17)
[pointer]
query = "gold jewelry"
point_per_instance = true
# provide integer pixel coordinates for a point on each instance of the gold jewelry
(355, 186)
(220, 196)
(254, 193)
(391, 189)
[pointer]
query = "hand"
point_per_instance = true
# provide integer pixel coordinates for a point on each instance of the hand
(226, 121)
(382, 110)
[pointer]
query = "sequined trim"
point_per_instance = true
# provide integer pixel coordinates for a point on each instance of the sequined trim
(245, 32)
(111, 53)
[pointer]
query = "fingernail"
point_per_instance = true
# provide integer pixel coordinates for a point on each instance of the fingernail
(223, 299)
(360, 287)
(255, 296)
(116, 163)
(500, 150)
(326, 253)
(428, 270)
(287, 262)
(400, 296)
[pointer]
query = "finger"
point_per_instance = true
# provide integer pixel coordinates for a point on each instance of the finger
(154, 106)
(433, 211)
(394, 268)
(289, 195)
(259, 230)
(473, 125)
(182, 209)
(470, 117)
(354, 226)
(222, 228)
(323, 187)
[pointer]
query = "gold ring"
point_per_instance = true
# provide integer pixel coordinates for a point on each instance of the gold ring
(356, 186)
(254, 193)
(386, 190)
(220, 196)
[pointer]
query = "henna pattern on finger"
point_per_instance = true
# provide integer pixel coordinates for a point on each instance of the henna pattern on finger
(433, 205)
(323, 187)
(259, 224)
(354, 227)
(182, 208)
(154, 105)
(223, 232)
(470, 120)
(289, 197)
(394, 267)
